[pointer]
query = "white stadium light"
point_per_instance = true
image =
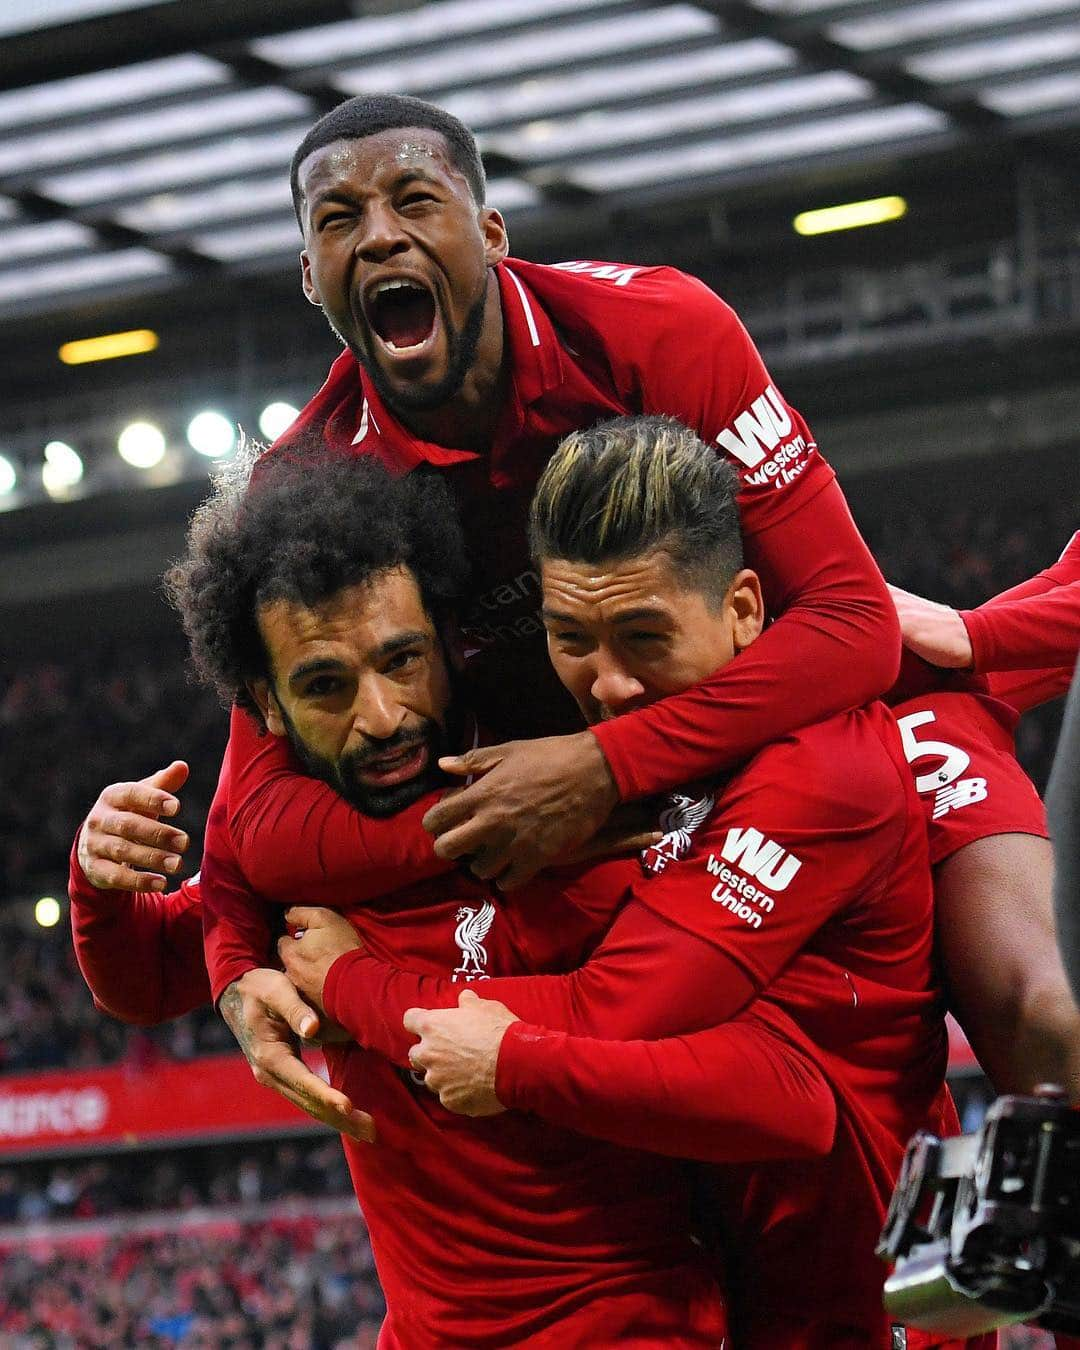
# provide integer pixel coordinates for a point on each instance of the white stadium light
(276, 418)
(211, 434)
(63, 468)
(142, 445)
(47, 912)
(8, 476)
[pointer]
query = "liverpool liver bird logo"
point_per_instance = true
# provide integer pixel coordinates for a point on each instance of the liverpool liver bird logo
(472, 929)
(679, 821)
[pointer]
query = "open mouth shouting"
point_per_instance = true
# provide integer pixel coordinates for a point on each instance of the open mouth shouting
(402, 315)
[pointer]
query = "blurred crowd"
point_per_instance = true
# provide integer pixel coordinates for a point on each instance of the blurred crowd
(70, 726)
(276, 1284)
(259, 1172)
(48, 1021)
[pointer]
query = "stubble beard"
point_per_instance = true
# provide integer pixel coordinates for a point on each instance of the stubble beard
(463, 347)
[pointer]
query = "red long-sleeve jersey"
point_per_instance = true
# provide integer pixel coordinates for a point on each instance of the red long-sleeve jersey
(806, 878)
(586, 341)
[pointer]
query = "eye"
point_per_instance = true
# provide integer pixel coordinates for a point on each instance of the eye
(332, 219)
(322, 686)
(403, 661)
(418, 198)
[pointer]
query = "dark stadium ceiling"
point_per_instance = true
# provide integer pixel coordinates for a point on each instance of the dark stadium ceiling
(143, 146)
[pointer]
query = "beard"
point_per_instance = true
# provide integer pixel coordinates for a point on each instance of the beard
(462, 348)
(344, 774)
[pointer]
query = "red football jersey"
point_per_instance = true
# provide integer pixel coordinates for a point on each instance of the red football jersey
(963, 758)
(808, 872)
(586, 341)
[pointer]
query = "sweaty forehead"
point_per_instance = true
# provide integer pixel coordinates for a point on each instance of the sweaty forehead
(606, 588)
(383, 156)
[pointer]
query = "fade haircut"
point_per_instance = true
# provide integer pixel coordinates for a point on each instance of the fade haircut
(358, 118)
(634, 484)
(301, 529)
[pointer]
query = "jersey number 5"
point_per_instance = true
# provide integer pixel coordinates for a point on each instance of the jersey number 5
(955, 759)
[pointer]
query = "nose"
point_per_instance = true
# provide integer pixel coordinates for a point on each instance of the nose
(614, 687)
(382, 236)
(377, 714)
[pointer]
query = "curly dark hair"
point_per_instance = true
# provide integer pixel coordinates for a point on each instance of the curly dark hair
(301, 528)
(370, 114)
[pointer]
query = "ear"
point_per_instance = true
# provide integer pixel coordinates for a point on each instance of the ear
(496, 240)
(746, 605)
(306, 281)
(267, 704)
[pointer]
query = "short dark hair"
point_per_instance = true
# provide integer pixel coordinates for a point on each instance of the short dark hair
(358, 118)
(633, 484)
(301, 529)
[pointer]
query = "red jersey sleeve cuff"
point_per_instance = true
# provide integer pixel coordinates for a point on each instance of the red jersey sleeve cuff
(79, 887)
(976, 625)
(618, 753)
(527, 1057)
(332, 984)
(226, 973)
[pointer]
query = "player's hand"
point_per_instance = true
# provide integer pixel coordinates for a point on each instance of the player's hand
(458, 1052)
(533, 803)
(934, 632)
(630, 828)
(320, 937)
(264, 1013)
(124, 845)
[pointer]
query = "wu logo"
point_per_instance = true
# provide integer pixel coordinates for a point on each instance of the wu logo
(472, 929)
(757, 430)
(760, 858)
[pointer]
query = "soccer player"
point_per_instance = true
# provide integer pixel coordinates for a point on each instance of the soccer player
(797, 884)
(463, 362)
(988, 838)
(319, 601)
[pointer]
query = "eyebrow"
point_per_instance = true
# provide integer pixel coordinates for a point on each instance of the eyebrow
(320, 665)
(315, 667)
(403, 178)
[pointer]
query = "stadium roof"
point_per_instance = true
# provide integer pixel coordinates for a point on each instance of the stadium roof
(146, 145)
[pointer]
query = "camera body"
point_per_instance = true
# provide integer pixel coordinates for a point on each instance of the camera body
(984, 1229)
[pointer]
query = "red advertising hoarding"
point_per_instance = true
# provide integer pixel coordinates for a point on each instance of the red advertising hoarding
(124, 1106)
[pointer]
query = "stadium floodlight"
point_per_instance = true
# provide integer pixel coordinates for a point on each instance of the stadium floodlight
(8, 476)
(47, 911)
(63, 468)
(850, 215)
(108, 347)
(276, 418)
(141, 444)
(211, 434)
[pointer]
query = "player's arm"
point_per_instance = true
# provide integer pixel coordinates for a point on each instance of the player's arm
(139, 949)
(535, 800)
(648, 977)
(294, 835)
(695, 944)
(742, 1092)
(273, 833)
(1063, 811)
(993, 896)
(1027, 634)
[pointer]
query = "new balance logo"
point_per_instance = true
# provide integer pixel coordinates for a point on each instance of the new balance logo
(757, 430)
(760, 858)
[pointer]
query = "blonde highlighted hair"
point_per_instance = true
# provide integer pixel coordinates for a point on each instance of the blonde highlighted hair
(632, 485)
